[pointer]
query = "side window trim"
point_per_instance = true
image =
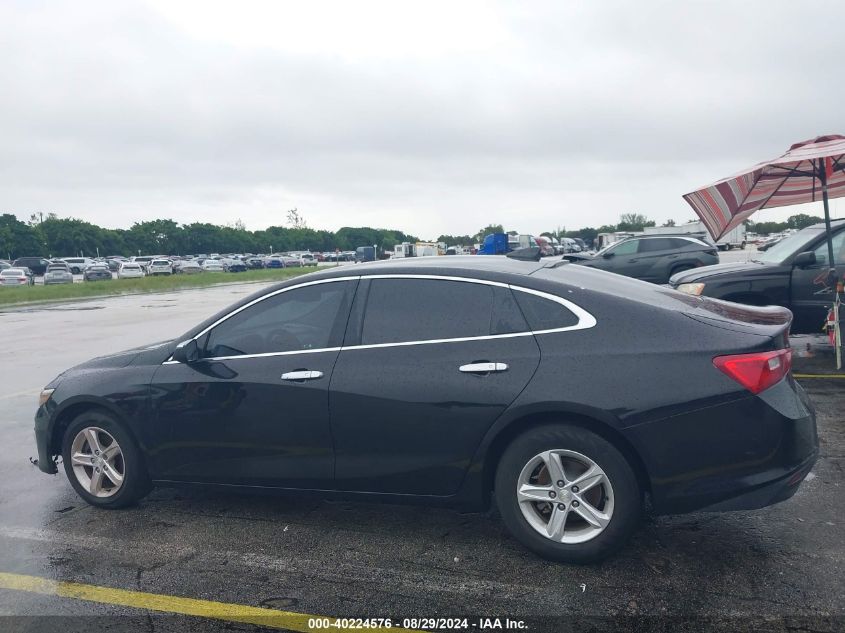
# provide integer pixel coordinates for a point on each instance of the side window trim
(585, 319)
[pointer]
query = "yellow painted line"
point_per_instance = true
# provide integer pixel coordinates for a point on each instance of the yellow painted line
(167, 604)
(818, 375)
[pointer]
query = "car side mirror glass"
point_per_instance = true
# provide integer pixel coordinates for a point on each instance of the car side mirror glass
(608, 255)
(805, 259)
(186, 352)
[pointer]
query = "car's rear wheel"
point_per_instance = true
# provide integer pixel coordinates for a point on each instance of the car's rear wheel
(567, 494)
(102, 461)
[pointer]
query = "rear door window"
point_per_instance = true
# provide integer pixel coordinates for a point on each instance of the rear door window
(407, 310)
(656, 244)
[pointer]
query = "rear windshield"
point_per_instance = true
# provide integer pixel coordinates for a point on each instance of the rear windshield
(12, 272)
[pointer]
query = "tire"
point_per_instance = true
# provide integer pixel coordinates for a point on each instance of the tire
(135, 484)
(617, 496)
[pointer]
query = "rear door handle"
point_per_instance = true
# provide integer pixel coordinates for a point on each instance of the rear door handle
(304, 374)
(483, 368)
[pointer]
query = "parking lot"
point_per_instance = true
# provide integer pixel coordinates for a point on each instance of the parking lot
(773, 569)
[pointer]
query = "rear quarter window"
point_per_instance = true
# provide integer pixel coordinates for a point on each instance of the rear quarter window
(544, 314)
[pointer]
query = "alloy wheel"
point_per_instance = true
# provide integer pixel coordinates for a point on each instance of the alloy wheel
(565, 496)
(97, 461)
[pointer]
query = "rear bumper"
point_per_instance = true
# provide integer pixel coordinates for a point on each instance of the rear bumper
(739, 455)
(767, 494)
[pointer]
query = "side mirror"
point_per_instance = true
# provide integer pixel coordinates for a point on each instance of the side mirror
(186, 352)
(608, 255)
(804, 260)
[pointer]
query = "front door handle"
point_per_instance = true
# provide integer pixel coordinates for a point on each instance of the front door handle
(304, 374)
(483, 368)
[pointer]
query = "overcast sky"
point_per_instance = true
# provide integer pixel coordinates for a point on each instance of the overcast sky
(432, 117)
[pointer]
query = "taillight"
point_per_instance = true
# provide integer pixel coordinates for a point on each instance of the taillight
(758, 371)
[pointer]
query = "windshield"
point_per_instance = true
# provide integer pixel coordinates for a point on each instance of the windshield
(795, 243)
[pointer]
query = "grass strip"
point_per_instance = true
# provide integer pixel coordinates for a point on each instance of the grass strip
(13, 296)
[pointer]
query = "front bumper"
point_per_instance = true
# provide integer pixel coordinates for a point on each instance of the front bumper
(46, 463)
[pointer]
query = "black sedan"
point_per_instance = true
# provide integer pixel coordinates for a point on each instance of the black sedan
(569, 395)
(97, 272)
(793, 273)
(653, 258)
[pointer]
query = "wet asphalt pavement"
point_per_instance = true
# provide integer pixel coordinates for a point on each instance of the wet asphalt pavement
(779, 568)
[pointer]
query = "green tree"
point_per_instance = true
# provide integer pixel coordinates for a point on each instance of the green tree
(633, 222)
(487, 230)
(802, 220)
(18, 239)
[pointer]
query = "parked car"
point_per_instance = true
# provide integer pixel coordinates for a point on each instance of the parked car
(212, 266)
(308, 259)
(159, 267)
(274, 261)
(58, 273)
(97, 272)
(187, 266)
(17, 276)
(292, 261)
(496, 396)
(38, 265)
(255, 262)
(114, 262)
(365, 254)
(130, 270)
(766, 244)
(143, 261)
(651, 258)
(77, 265)
(792, 274)
(235, 265)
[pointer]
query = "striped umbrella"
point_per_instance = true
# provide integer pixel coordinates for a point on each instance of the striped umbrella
(808, 170)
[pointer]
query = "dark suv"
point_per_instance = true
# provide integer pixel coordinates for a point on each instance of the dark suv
(38, 265)
(652, 258)
(792, 273)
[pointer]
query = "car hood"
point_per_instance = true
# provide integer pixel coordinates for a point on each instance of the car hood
(579, 258)
(746, 269)
(145, 354)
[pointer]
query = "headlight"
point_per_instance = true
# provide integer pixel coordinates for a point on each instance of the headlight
(691, 289)
(45, 396)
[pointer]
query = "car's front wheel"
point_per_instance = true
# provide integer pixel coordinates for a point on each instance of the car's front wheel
(567, 494)
(102, 461)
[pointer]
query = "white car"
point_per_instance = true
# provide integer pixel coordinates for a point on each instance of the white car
(15, 277)
(160, 267)
(77, 265)
(130, 270)
(188, 266)
(212, 266)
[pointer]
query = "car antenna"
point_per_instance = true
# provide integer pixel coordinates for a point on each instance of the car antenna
(530, 254)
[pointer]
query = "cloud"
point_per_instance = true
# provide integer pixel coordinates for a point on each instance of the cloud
(432, 117)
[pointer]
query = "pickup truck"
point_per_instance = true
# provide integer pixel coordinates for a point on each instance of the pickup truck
(793, 274)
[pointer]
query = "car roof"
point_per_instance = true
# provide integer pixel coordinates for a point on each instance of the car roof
(460, 265)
